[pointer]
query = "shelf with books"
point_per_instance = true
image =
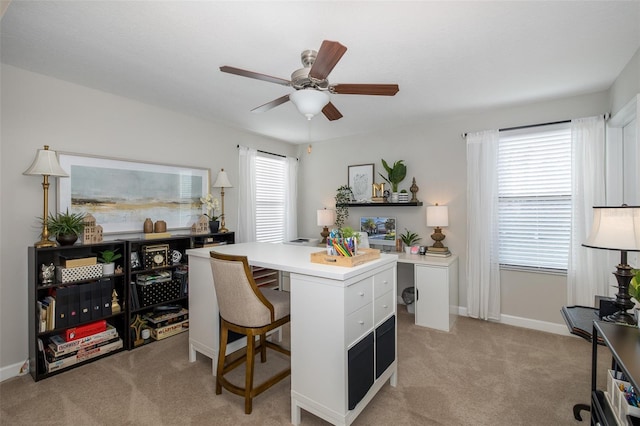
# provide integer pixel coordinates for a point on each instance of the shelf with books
(67, 291)
(158, 278)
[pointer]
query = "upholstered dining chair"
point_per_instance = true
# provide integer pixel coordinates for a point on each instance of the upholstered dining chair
(248, 310)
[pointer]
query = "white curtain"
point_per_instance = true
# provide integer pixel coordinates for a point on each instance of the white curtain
(483, 263)
(290, 207)
(246, 195)
(589, 270)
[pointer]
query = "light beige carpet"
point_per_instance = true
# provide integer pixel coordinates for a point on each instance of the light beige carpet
(478, 374)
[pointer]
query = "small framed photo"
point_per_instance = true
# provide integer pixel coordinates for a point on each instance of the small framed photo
(360, 179)
(135, 260)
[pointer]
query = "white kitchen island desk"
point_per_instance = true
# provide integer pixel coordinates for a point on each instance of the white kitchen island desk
(343, 325)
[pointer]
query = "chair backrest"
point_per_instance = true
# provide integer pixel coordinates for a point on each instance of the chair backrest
(239, 299)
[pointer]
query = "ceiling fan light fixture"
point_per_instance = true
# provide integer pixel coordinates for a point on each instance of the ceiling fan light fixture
(309, 101)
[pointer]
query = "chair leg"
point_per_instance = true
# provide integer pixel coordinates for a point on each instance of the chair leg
(222, 350)
(248, 385)
(263, 348)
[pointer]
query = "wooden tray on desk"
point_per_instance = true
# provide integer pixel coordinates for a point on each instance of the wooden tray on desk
(364, 255)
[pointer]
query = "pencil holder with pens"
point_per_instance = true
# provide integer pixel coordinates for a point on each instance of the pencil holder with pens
(338, 246)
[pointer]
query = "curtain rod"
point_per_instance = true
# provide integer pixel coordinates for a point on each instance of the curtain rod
(527, 126)
(267, 152)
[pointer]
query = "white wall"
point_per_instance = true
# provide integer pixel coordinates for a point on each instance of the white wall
(38, 110)
(435, 154)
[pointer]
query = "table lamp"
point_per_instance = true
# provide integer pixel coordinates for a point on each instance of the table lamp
(326, 218)
(618, 228)
(222, 182)
(45, 164)
(437, 216)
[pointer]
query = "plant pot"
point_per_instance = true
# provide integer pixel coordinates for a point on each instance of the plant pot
(407, 249)
(108, 268)
(214, 225)
(67, 240)
(403, 197)
(394, 197)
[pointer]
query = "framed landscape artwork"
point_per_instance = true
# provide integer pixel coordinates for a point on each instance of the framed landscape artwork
(360, 180)
(121, 194)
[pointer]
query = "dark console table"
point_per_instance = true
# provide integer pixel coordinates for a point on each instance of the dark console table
(579, 320)
(624, 343)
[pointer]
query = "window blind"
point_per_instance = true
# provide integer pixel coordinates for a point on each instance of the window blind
(534, 189)
(270, 198)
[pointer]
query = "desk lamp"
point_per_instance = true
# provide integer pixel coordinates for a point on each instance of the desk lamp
(326, 218)
(222, 182)
(437, 216)
(45, 164)
(617, 228)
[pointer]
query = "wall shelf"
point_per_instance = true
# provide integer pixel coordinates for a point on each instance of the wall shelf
(409, 204)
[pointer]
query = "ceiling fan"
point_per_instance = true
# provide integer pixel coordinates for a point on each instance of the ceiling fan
(311, 84)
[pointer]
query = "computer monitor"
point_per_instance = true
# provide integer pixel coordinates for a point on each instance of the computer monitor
(381, 230)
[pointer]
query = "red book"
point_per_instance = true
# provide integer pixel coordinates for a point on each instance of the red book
(85, 330)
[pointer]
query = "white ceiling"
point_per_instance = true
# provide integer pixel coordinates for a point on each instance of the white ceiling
(447, 57)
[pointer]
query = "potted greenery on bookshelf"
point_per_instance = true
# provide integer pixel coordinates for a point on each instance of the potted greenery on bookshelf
(66, 227)
(108, 258)
(395, 175)
(409, 239)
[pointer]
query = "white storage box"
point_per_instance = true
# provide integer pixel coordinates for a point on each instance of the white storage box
(619, 403)
(67, 275)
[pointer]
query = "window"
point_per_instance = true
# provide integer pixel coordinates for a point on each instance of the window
(271, 175)
(534, 190)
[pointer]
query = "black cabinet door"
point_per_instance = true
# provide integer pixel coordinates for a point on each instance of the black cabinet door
(385, 345)
(360, 370)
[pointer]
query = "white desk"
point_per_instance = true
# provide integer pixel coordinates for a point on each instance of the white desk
(436, 284)
(334, 312)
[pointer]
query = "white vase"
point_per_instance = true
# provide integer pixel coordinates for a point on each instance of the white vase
(394, 197)
(407, 249)
(108, 268)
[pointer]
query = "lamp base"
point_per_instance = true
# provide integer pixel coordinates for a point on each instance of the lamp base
(45, 243)
(621, 317)
(324, 234)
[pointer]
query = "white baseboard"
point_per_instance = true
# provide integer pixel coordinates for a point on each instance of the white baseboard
(533, 324)
(14, 370)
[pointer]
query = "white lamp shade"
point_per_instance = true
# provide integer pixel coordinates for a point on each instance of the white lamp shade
(437, 216)
(309, 101)
(615, 228)
(222, 181)
(46, 164)
(326, 217)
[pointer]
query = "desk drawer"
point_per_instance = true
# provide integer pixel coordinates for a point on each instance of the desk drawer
(358, 295)
(359, 323)
(383, 282)
(383, 307)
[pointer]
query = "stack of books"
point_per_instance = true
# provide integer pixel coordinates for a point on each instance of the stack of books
(166, 324)
(438, 251)
(60, 352)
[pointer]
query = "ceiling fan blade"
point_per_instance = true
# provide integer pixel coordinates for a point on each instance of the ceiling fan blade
(257, 76)
(269, 105)
(331, 112)
(365, 89)
(328, 56)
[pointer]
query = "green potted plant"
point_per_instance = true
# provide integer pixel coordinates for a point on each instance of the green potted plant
(395, 175)
(343, 198)
(108, 258)
(403, 196)
(409, 239)
(66, 227)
